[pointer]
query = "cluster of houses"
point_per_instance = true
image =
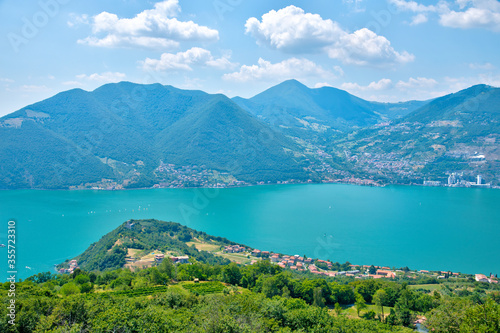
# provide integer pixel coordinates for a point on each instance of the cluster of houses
(300, 264)
(72, 266)
(234, 249)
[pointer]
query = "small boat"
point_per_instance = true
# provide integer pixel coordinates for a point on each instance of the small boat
(3, 245)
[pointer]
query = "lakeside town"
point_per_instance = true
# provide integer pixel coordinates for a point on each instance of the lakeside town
(248, 256)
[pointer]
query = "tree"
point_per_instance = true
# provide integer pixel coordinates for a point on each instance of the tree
(372, 270)
(482, 318)
(338, 309)
(69, 289)
(379, 299)
(167, 267)
(360, 303)
(318, 299)
(231, 274)
(448, 316)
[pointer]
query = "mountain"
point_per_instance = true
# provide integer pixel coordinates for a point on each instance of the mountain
(127, 135)
(124, 132)
(142, 237)
(293, 105)
(455, 133)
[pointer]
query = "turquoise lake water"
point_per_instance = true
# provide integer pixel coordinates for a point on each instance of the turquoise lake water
(455, 229)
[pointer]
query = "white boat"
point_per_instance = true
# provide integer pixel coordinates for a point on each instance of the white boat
(3, 245)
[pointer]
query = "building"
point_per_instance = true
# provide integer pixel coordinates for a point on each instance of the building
(180, 259)
(159, 257)
(256, 253)
(385, 273)
(482, 278)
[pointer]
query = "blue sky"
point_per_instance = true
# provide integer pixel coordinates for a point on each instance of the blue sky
(389, 50)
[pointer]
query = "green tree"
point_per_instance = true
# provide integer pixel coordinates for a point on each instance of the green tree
(360, 303)
(231, 274)
(167, 267)
(448, 317)
(379, 299)
(318, 299)
(338, 309)
(69, 289)
(483, 318)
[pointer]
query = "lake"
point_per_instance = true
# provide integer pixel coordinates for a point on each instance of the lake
(431, 228)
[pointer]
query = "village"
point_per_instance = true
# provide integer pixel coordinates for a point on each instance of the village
(248, 256)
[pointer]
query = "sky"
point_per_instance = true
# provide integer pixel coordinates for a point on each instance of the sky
(387, 51)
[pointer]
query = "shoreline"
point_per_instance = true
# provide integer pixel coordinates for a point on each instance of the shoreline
(250, 185)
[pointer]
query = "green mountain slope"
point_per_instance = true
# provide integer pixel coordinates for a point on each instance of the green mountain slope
(123, 132)
(293, 105)
(455, 133)
(146, 236)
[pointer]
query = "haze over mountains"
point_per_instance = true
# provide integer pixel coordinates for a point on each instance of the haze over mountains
(131, 135)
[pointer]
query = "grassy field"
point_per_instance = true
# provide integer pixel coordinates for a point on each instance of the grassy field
(352, 312)
(430, 287)
(236, 257)
(204, 246)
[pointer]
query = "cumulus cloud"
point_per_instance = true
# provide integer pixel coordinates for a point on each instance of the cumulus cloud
(364, 47)
(183, 61)
(293, 68)
(292, 30)
(475, 14)
(156, 28)
(463, 14)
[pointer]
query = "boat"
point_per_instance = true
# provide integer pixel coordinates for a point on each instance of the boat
(3, 245)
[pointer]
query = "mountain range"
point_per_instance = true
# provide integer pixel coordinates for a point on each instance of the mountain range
(126, 135)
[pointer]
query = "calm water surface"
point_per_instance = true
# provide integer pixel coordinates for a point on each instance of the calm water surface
(453, 229)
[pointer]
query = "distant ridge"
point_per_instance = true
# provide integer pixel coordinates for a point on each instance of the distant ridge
(128, 135)
(290, 103)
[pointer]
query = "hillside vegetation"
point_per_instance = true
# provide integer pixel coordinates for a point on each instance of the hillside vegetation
(205, 295)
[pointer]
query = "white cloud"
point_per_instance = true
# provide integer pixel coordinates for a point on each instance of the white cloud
(292, 30)
(382, 84)
(106, 77)
(463, 14)
(477, 14)
(364, 47)
(413, 6)
(183, 61)
(71, 83)
(419, 19)
(292, 68)
(155, 28)
(419, 82)
(6, 80)
(34, 88)
(76, 20)
(459, 83)
(485, 66)
(322, 84)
